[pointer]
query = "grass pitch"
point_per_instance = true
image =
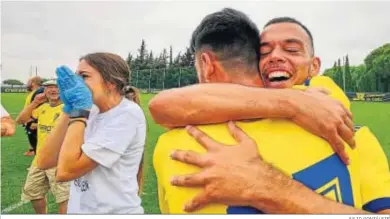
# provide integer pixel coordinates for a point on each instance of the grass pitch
(14, 165)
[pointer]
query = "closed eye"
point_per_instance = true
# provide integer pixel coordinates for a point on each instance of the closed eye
(293, 50)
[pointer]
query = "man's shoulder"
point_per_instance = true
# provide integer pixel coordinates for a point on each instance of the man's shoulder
(35, 92)
(178, 134)
(363, 133)
(221, 133)
(335, 91)
(43, 106)
(320, 79)
(178, 138)
(29, 95)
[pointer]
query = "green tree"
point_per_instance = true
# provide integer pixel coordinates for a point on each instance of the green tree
(142, 57)
(338, 75)
(359, 79)
(129, 60)
(150, 61)
(378, 65)
(164, 58)
(187, 59)
(331, 72)
(13, 82)
(177, 60)
(348, 79)
(170, 56)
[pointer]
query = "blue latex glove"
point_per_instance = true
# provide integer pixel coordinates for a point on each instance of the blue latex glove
(75, 92)
(67, 106)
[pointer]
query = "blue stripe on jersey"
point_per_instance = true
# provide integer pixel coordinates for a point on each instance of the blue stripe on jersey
(321, 173)
(376, 205)
(356, 128)
(316, 177)
(307, 82)
(242, 210)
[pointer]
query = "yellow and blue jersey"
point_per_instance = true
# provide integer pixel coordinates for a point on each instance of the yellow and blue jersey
(374, 171)
(31, 95)
(302, 156)
(47, 117)
(28, 99)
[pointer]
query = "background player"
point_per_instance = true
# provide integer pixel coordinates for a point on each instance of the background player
(38, 181)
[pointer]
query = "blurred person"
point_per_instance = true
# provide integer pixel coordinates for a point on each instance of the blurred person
(46, 108)
(8, 126)
(99, 142)
(34, 88)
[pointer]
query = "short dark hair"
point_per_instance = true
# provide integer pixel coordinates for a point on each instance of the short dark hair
(294, 21)
(230, 34)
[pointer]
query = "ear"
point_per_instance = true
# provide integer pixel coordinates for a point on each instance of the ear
(315, 66)
(207, 66)
(110, 86)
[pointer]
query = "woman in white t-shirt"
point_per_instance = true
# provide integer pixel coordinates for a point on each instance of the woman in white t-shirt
(99, 146)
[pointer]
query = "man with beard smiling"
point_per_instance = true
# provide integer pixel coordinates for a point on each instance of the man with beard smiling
(38, 181)
(287, 59)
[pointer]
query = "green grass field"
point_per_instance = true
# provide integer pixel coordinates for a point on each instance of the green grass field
(13, 164)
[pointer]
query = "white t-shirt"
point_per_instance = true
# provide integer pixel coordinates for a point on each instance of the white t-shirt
(4, 112)
(115, 140)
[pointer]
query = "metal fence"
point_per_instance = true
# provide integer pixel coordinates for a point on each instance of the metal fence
(154, 80)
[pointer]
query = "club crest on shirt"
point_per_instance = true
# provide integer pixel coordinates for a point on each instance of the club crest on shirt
(56, 116)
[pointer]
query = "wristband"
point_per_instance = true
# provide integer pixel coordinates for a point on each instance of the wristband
(79, 114)
(77, 120)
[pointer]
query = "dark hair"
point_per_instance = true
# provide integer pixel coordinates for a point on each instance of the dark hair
(133, 90)
(111, 67)
(115, 70)
(294, 21)
(37, 80)
(230, 34)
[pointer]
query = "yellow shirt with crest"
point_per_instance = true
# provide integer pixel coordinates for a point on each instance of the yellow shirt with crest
(47, 117)
(364, 184)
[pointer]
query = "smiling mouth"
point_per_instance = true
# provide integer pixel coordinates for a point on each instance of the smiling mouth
(278, 76)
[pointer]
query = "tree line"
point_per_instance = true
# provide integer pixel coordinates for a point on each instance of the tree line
(371, 76)
(162, 71)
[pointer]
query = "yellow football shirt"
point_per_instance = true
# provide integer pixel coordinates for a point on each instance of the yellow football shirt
(374, 166)
(374, 171)
(47, 117)
(299, 154)
(28, 98)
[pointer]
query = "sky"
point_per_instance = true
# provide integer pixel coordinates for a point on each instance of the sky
(49, 34)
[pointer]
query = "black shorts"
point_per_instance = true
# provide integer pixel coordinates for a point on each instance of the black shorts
(31, 135)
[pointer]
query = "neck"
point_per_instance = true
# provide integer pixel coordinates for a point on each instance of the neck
(34, 87)
(110, 102)
(55, 102)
